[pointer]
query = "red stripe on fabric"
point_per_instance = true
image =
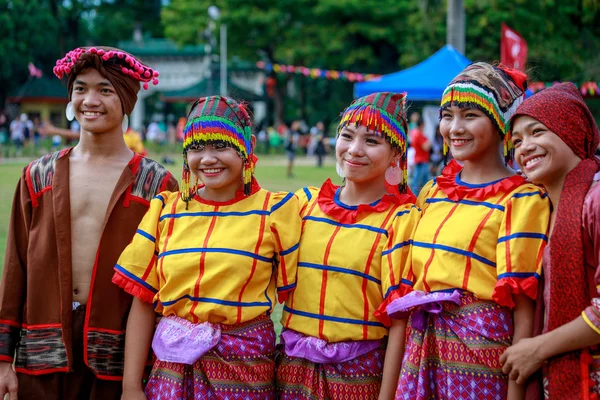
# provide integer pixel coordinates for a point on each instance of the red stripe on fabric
(41, 326)
(472, 248)
(169, 233)
(368, 269)
(507, 242)
(390, 262)
(254, 261)
(109, 377)
(41, 371)
(88, 307)
(138, 200)
(7, 359)
(11, 323)
(111, 331)
(324, 281)
(437, 232)
(29, 182)
(149, 268)
(310, 210)
(201, 265)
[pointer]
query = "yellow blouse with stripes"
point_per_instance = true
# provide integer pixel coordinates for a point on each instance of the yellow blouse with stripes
(347, 269)
(485, 239)
(216, 262)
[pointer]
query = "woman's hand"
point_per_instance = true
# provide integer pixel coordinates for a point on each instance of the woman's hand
(521, 360)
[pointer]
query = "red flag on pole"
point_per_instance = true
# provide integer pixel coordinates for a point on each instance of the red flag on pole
(513, 49)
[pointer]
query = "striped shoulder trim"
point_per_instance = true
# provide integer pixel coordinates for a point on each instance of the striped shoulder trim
(40, 174)
(150, 179)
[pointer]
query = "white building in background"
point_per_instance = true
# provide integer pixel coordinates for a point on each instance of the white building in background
(186, 74)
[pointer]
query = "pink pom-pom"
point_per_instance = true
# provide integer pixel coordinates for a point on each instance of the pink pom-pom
(147, 74)
(155, 81)
(67, 70)
(100, 52)
(93, 50)
(145, 85)
(124, 70)
(156, 74)
(128, 60)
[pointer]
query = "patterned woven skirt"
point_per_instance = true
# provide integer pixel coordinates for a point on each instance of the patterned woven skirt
(241, 366)
(457, 355)
(357, 379)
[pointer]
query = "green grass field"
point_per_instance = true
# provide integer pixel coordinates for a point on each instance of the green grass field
(270, 172)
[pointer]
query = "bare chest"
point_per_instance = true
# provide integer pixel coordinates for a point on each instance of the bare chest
(90, 191)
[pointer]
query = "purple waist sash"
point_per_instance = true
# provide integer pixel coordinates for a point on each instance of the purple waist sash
(419, 304)
(322, 352)
(181, 341)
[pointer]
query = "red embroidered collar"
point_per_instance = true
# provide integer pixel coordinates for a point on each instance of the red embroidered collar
(239, 195)
(330, 203)
(451, 184)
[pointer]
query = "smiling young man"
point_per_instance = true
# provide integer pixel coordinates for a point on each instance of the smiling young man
(74, 211)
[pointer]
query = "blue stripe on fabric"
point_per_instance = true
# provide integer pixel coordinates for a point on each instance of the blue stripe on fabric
(215, 250)
(456, 251)
(135, 278)
(475, 185)
(162, 199)
(530, 235)
(390, 290)
(401, 213)
(288, 287)
(396, 247)
(451, 290)
(282, 202)
(216, 214)
(307, 193)
(333, 319)
(339, 269)
(527, 194)
(519, 275)
(335, 223)
(290, 250)
(467, 202)
(217, 301)
(146, 235)
(336, 199)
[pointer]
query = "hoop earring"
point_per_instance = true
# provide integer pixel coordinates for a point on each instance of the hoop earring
(125, 123)
(70, 112)
(393, 175)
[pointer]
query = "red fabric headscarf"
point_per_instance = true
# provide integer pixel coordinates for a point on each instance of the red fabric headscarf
(562, 109)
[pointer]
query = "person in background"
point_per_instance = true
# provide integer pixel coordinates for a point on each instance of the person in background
(291, 146)
(422, 146)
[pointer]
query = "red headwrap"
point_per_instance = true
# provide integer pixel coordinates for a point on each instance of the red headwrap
(123, 70)
(562, 109)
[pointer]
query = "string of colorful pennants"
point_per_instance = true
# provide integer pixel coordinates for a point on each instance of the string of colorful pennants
(316, 73)
(590, 89)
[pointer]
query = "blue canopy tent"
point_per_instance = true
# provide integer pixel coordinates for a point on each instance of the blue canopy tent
(425, 81)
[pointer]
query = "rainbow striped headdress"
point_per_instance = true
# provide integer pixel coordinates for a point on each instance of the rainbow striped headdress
(218, 119)
(496, 91)
(385, 114)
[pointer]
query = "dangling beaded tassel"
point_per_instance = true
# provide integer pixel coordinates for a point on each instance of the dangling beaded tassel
(507, 150)
(247, 178)
(402, 188)
(185, 185)
(445, 153)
